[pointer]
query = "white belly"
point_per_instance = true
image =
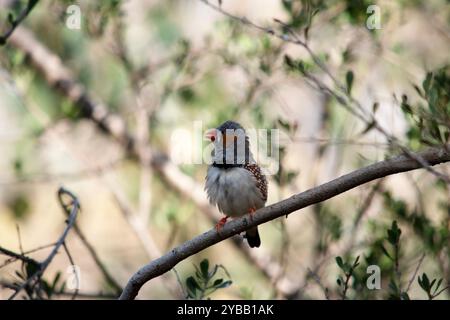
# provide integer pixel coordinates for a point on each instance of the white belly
(233, 190)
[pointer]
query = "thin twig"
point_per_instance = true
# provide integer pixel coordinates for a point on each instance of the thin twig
(17, 256)
(397, 262)
(413, 277)
(317, 279)
(180, 282)
(440, 291)
(108, 277)
(71, 221)
(13, 259)
(347, 279)
(366, 204)
(20, 239)
(15, 22)
(72, 264)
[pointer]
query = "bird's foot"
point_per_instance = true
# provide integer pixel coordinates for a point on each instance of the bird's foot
(221, 223)
(252, 211)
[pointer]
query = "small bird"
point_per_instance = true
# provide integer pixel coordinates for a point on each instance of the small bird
(234, 181)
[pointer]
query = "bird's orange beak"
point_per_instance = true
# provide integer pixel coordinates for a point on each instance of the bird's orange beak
(211, 135)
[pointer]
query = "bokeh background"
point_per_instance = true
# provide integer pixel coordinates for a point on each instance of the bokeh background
(163, 65)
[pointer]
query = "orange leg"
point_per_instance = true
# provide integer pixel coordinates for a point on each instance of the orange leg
(221, 223)
(252, 211)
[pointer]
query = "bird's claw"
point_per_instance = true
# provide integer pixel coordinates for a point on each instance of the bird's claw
(221, 223)
(252, 211)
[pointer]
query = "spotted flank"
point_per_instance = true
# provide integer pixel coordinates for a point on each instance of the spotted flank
(261, 182)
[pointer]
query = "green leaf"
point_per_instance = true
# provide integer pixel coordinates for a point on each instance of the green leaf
(424, 282)
(224, 284)
(385, 252)
(11, 18)
(340, 281)
(356, 263)
(204, 267)
(55, 280)
(18, 166)
(340, 262)
(432, 283)
(435, 132)
(301, 66)
(287, 4)
(192, 286)
(63, 287)
(404, 296)
(294, 65)
(187, 94)
(217, 282)
(438, 285)
(418, 90)
(406, 108)
(31, 269)
(288, 61)
(394, 234)
(427, 82)
(349, 80)
(265, 67)
(47, 289)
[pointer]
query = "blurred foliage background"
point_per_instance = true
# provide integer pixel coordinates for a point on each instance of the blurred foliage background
(177, 62)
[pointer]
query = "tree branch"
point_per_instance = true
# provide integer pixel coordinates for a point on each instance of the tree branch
(320, 193)
(15, 22)
(17, 256)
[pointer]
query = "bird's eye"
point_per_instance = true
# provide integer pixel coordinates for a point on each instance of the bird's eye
(213, 138)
